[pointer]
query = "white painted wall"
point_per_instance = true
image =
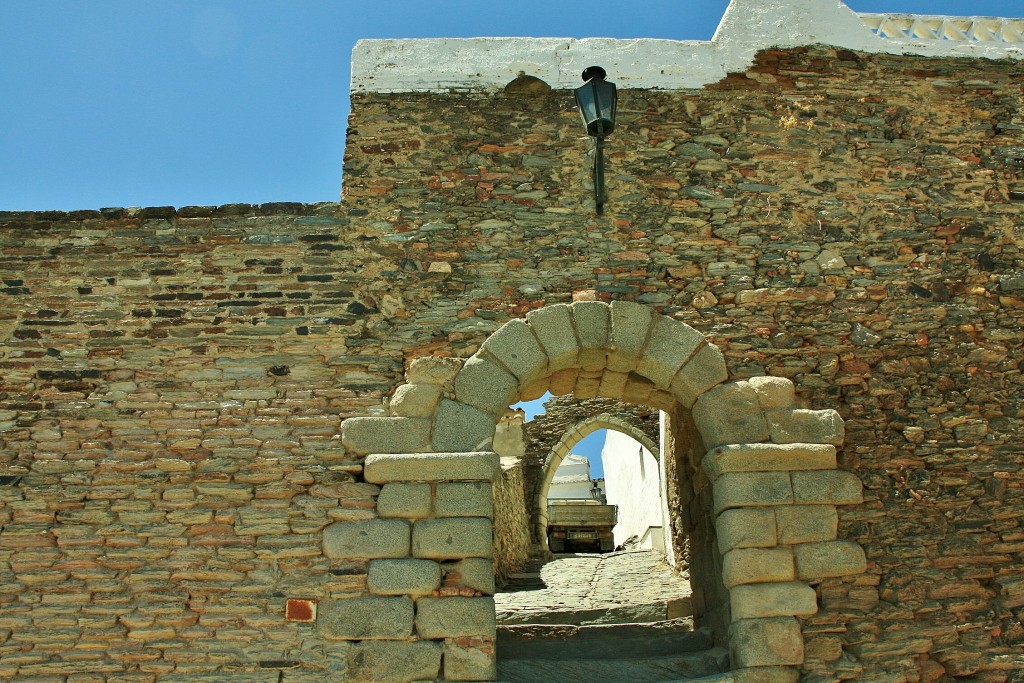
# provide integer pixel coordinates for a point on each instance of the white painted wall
(572, 478)
(748, 26)
(633, 482)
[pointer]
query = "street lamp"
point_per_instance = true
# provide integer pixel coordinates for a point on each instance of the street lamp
(596, 100)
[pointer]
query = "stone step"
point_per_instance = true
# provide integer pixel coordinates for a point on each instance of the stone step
(575, 669)
(623, 614)
(601, 641)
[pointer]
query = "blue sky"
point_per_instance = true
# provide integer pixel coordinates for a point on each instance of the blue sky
(149, 102)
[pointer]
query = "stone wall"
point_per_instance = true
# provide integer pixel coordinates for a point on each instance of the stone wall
(848, 221)
(172, 381)
(429, 613)
(512, 545)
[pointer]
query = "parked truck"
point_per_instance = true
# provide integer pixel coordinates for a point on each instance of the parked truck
(580, 526)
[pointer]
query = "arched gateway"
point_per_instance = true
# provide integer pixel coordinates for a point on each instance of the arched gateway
(756, 484)
(563, 447)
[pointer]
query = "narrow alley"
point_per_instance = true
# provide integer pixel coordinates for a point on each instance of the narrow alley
(622, 616)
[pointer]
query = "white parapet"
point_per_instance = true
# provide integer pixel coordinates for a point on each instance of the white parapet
(748, 26)
(991, 31)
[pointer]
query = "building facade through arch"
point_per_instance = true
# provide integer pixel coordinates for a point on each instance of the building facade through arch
(557, 454)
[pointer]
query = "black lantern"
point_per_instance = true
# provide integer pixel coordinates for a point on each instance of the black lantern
(596, 100)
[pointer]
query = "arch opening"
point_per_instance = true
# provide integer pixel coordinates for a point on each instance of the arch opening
(619, 492)
(751, 476)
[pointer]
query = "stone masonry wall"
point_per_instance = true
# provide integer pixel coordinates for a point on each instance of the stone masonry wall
(511, 521)
(850, 222)
(172, 381)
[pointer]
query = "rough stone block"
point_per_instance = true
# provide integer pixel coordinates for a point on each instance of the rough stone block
(376, 538)
(233, 677)
(757, 565)
(411, 501)
(745, 528)
(766, 642)
(613, 384)
(469, 659)
(534, 390)
(415, 400)
(515, 347)
(806, 523)
(383, 469)
(563, 382)
(662, 400)
(433, 370)
(462, 428)
(637, 390)
(554, 329)
(630, 323)
(486, 385)
(403, 577)
(586, 387)
(365, 618)
(766, 457)
(474, 573)
(829, 558)
(806, 426)
(669, 345)
(362, 435)
(702, 373)
(837, 487)
(453, 538)
(464, 499)
(730, 414)
(772, 600)
(823, 648)
(751, 489)
(454, 617)
(373, 661)
(592, 320)
(765, 674)
(773, 393)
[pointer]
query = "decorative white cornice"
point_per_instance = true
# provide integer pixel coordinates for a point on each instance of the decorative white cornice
(915, 27)
(748, 26)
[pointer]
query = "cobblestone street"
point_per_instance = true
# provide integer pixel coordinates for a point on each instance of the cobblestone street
(621, 587)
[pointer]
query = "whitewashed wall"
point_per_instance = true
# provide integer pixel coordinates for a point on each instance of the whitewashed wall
(572, 478)
(633, 483)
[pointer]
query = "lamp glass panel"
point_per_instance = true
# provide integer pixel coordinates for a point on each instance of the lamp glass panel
(605, 96)
(587, 101)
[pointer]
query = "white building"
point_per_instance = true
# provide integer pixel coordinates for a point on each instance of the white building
(633, 484)
(572, 479)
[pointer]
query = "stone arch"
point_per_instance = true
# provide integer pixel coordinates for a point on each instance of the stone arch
(768, 482)
(576, 433)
